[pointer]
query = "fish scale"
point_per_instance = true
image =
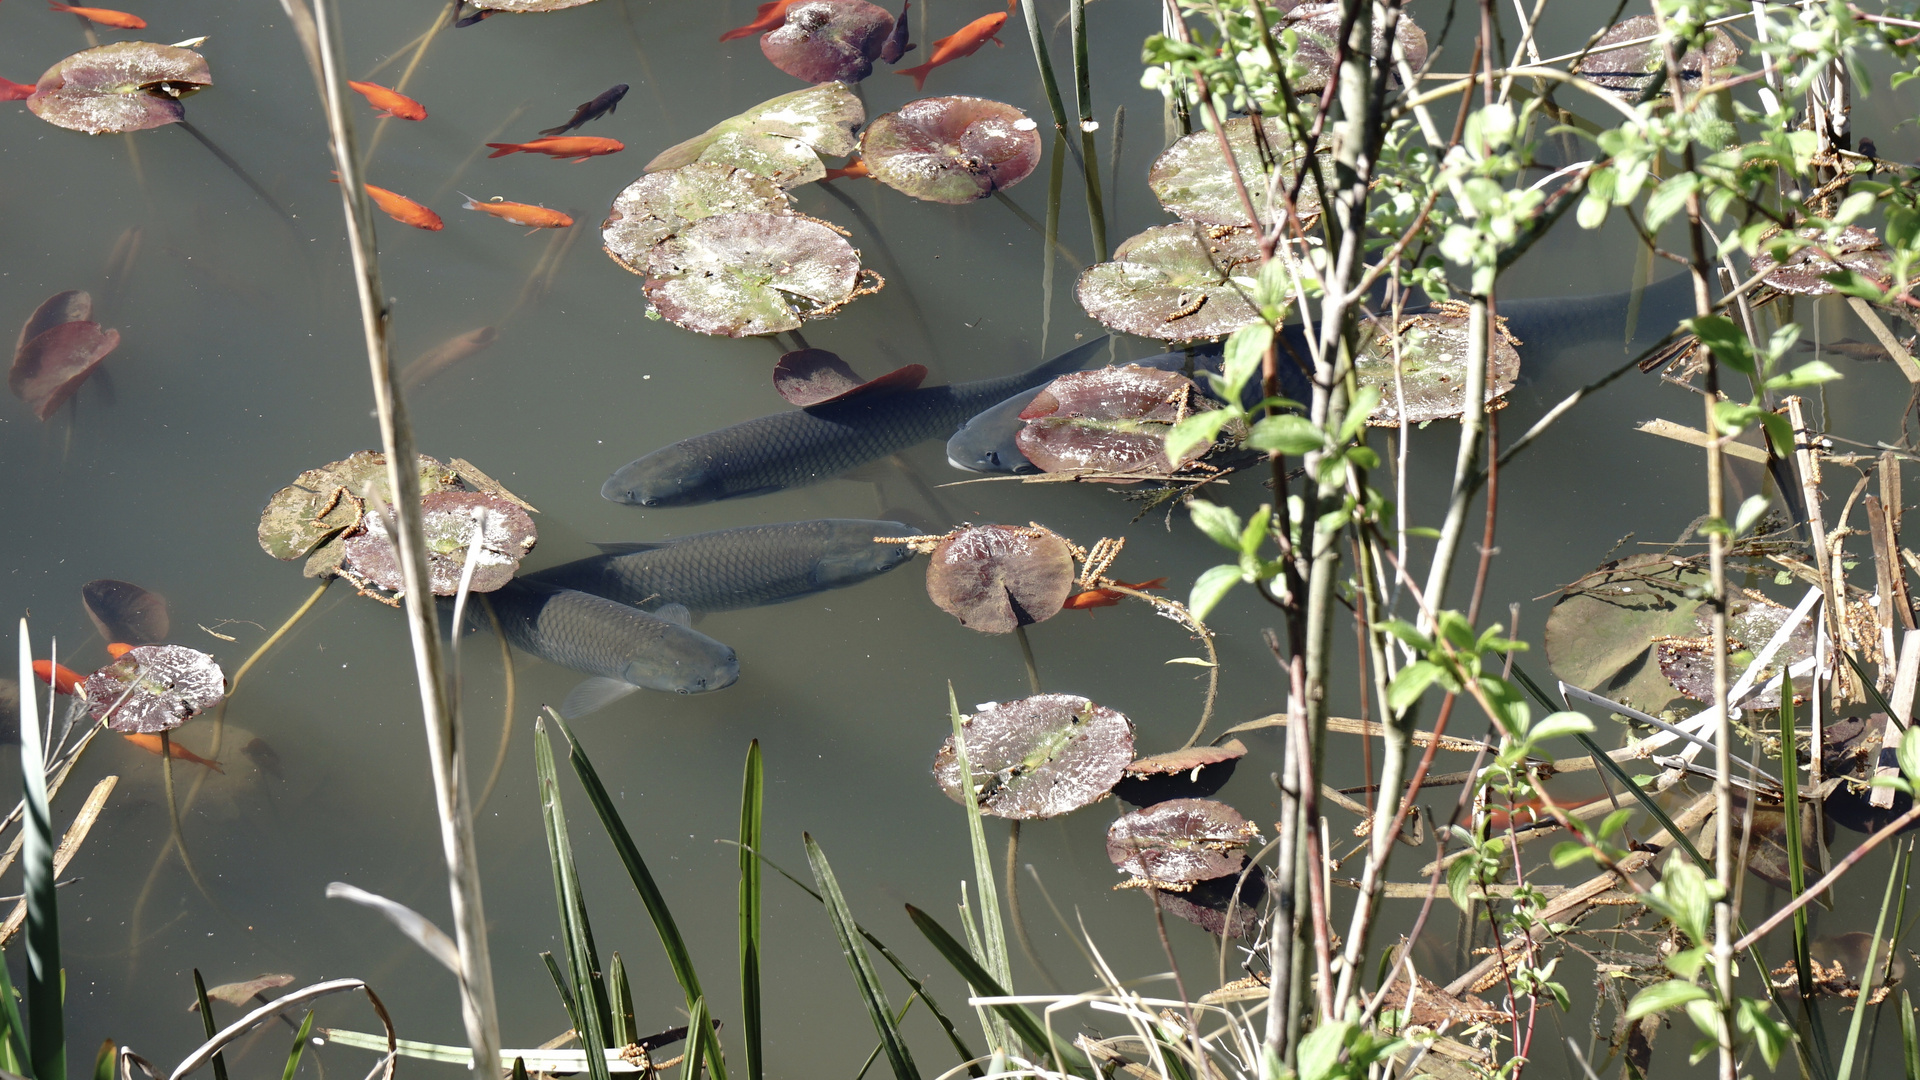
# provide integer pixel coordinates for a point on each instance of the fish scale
(610, 640)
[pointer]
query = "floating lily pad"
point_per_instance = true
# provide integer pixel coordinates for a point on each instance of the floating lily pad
(1317, 27)
(1226, 905)
(1175, 283)
(1191, 178)
(783, 159)
(951, 149)
(63, 307)
(126, 86)
(329, 500)
(1687, 662)
(451, 517)
(164, 686)
(744, 274)
(1038, 757)
(822, 118)
(1600, 632)
(1181, 841)
(50, 368)
(1805, 271)
(1110, 420)
(807, 377)
(1117, 448)
(1628, 69)
(994, 578)
(1433, 369)
(123, 611)
(825, 40)
(1123, 391)
(662, 204)
(1192, 773)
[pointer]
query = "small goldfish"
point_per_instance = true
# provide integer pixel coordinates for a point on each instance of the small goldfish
(445, 355)
(387, 102)
(855, 169)
(533, 217)
(65, 680)
(151, 744)
(1094, 598)
(965, 42)
(118, 649)
(770, 17)
(13, 91)
(104, 16)
(402, 209)
(578, 147)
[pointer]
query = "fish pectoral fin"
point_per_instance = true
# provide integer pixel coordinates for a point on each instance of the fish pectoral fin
(676, 614)
(594, 695)
(631, 547)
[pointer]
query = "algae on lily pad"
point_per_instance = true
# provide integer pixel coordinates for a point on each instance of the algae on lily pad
(451, 518)
(1191, 178)
(951, 149)
(1628, 69)
(1110, 420)
(154, 688)
(825, 40)
(1601, 631)
(1432, 348)
(1038, 757)
(122, 87)
(663, 204)
(743, 274)
(1175, 283)
(1804, 272)
(994, 578)
(822, 118)
(323, 503)
(1172, 844)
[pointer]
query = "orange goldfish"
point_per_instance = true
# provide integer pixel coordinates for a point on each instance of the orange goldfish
(402, 209)
(770, 17)
(855, 169)
(151, 744)
(578, 147)
(104, 16)
(387, 102)
(1523, 814)
(1087, 601)
(965, 42)
(118, 649)
(533, 217)
(13, 91)
(65, 680)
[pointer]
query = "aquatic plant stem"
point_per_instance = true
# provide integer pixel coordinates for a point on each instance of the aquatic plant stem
(1182, 615)
(1089, 156)
(506, 722)
(438, 705)
(1012, 872)
(1026, 654)
(441, 20)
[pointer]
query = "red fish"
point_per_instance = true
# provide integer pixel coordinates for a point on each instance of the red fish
(151, 744)
(387, 102)
(965, 42)
(578, 147)
(1522, 814)
(104, 16)
(402, 209)
(771, 16)
(13, 91)
(1087, 601)
(533, 217)
(65, 680)
(856, 169)
(118, 649)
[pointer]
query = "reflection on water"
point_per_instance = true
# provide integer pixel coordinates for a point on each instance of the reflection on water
(240, 366)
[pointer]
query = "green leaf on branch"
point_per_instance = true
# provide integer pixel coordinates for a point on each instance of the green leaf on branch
(1663, 996)
(1410, 683)
(1198, 429)
(1727, 340)
(1288, 433)
(1559, 724)
(1811, 373)
(1210, 588)
(1220, 523)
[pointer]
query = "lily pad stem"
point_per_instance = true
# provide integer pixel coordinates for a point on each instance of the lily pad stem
(1026, 654)
(1179, 613)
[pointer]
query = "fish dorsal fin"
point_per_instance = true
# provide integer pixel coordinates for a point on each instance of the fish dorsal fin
(676, 614)
(632, 547)
(594, 695)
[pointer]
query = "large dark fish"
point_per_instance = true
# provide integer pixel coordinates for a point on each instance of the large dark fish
(623, 648)
(591, 110)
(897, 45)
(750, 566)
(803, 446)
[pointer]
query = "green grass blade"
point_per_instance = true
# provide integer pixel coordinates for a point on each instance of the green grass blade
(696, 1048)
(46, 1011)
(1089, 153)
(663, 923)
(519, 1068)
(1847, 1051)
(752, 787)
(1909, 1040)
(206, 1022)
(293, 1055)
(874, 1055)
(565, 990)
(1018, 1017)
(865, 978)
(994, 943)
(106, 1061)
(1796, 860)
(590, 990)
(625, 1030)
(13, 1033)
(1045, 63)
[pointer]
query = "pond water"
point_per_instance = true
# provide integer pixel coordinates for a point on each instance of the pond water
(241, 365)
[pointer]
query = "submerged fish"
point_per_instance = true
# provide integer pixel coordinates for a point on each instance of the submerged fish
(533, 217)
(591, 110)
(402, 209)
(446, 354)
(897, 45)
(63, 678)
(151, 744)
(750, 566)
(387, 102)
(104, 16)
(622, 648)
(803, 446)
(855, 169)
(13, 91)
(964, 42)
(1854, 349)
(578, 147)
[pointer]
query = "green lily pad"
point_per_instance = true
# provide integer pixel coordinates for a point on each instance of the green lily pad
(117, 88)
(507, 535)
(329, 500)
(1433, 350)
(154, 688)
(951, 149)
(744, 274)
(995, 578)
(1038, 757)
(1191, 178)
(1629, 69)
(1804, 271)
(1175, 283)
(1600, 632)
(1175, 843)
(663, 204)
(818, 119)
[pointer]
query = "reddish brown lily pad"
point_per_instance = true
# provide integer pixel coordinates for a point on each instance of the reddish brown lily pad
(123, 611)
(1317, 27)
(807, 377)
(1193, 773)
(994, 578)
(1129, 390)
(828, 40)
(1804, 272)
(1038, 757)
(322, 503)
(240, 993)
(122, 87)
(63, 307)
(164, 686)
(1225, 905)
(1181, 841)
(1432, 351)
(1111, 421)
(1629, 69)
(507, 534)
(49, 369)
(1191, 178)
(951, 149)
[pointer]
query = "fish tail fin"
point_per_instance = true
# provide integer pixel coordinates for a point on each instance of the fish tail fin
(469, 204)
(502, 149)
(214, 765)
(561, 130)
(52, 4)
(1073, 359)
(919, 75)
(594, 695)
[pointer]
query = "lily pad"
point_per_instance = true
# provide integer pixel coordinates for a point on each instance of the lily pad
(825, 40)
(663, 204)
(1038, 757)
(1687, 662)
(1804, 272)
(507, 535)
(49, 369)
(1181, 841)
(1600, 632)
(1124, 391)
(1433, 369)
(822, 117)
(164, 686)
(1225, 905)
(123, 611)
(994, 578)
(329, 500)
(1110, 421)
(783, 159)
(1317, 28)
(951, 149)
(744, 274)
(1175, 283)
(62, 307)
(1629, 69)
(122, 87)
(807, 377)
(1193, 773)
(1767, 852)
(1191, 178)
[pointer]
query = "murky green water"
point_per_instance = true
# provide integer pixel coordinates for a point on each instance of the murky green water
(241, 366)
